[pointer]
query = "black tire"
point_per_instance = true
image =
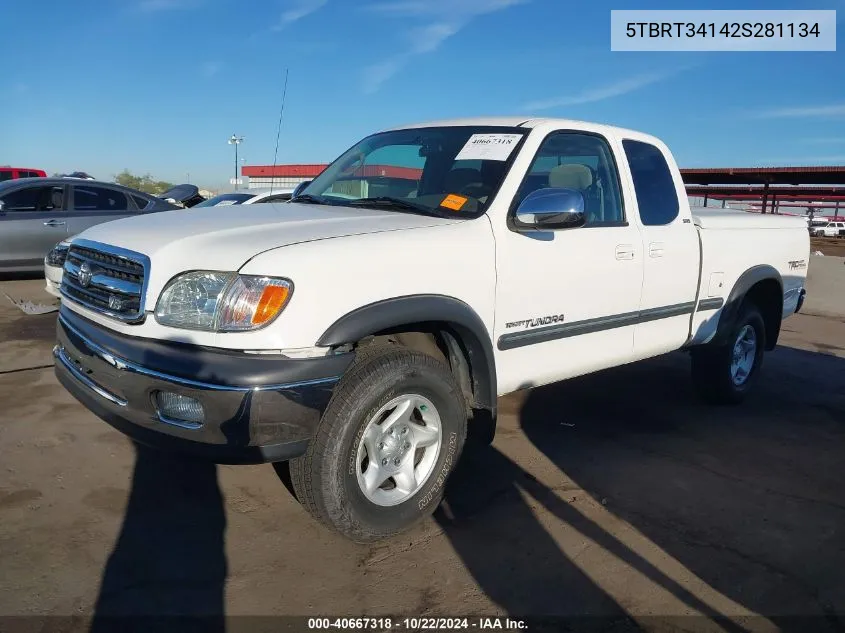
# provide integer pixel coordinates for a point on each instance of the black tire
(325, 478)
(711, 365)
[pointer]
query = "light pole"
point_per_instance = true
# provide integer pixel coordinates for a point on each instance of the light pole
(236, 140)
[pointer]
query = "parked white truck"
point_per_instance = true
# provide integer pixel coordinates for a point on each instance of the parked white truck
(362, 338)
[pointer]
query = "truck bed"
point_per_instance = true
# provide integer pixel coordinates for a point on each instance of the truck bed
(715, 219)
(733, 242)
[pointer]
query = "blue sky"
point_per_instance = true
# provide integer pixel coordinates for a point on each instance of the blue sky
(158, 86)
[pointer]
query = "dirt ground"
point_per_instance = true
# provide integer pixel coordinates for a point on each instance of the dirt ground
(615, 500)
(829, 246)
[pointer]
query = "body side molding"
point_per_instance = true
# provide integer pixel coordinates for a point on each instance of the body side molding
(588, 326)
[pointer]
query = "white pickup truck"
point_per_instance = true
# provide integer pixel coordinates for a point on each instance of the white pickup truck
(365, 329)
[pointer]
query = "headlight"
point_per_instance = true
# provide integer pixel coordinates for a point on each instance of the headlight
(221, 301)
(57, 255)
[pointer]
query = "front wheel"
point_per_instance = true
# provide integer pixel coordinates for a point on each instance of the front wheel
(725, 374)
(385, 446)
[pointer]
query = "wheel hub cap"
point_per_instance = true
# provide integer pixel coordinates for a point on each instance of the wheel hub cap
(398, 450)
(744, 355)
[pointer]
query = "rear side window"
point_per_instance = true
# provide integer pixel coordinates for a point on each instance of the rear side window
(141, 202)
(5, 174)
(98, 199)
(655, 189)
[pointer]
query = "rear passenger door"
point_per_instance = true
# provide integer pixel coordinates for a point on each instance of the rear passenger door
(95, 204)
(671, 251)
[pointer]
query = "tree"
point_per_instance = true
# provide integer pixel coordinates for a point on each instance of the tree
(143, 183)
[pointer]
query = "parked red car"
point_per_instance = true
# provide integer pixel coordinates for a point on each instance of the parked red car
(11, 173)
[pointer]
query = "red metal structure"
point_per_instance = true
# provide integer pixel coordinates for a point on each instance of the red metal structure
(282, 171)
(771, 186)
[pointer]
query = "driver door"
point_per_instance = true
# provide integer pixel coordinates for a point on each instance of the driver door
(566, 300)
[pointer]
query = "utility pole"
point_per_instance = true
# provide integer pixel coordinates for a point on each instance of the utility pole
(236, 140)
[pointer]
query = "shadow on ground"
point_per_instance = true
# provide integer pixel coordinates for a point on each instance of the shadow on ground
(21, 276)
(168, 565)
(749, 499)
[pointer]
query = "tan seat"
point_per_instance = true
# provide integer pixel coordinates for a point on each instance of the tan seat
(571, 176)
(580, 178)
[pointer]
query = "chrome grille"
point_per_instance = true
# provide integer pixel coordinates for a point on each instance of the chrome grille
(106, 279)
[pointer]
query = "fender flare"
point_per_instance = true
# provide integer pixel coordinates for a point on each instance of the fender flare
(730, 311)
(409, 309)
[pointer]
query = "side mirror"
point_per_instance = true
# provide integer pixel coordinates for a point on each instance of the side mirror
(549, 209)
(300, 187)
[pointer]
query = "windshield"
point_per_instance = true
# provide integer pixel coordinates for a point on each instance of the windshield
(225, 199)
(441, 170)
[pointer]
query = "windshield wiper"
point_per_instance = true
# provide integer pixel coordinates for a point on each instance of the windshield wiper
(396, 203)
(307, 197)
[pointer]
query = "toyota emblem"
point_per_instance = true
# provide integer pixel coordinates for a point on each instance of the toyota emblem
(85, 275)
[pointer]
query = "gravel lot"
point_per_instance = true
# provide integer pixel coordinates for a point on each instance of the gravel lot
(830, 246)
(614, 499)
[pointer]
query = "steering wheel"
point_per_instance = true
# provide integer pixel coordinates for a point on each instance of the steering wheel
(475, 190)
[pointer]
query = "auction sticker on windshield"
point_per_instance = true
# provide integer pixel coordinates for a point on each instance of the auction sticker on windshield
(453, 202)
(488, 147)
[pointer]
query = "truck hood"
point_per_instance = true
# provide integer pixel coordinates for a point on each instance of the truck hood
(225, 238)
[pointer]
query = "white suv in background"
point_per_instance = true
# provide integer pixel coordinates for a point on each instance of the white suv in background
(250, 196)
(831, 229)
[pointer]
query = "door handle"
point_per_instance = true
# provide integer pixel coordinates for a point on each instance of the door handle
(655, 249)
(624, 251)
(55, 223)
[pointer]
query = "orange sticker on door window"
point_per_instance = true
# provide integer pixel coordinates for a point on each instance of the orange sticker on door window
(453, 202)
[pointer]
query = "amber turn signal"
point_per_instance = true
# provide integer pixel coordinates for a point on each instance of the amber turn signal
(272, 300)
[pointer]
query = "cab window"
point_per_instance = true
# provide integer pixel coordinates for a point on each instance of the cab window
(583, 162)
(657, 198)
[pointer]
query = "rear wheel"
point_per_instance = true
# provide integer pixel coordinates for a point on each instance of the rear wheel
(725, 374)
(388, 440)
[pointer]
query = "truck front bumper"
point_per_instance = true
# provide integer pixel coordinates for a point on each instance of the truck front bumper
(256, 408)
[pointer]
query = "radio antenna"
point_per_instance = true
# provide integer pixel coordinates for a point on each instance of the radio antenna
(279, 131)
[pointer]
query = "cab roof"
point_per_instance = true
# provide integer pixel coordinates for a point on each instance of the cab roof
(524, 122)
